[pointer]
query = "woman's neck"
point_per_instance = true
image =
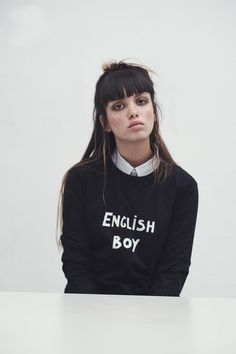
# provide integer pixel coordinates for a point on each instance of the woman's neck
(135, 154)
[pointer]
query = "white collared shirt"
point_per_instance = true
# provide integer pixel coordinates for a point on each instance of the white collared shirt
(142, 170)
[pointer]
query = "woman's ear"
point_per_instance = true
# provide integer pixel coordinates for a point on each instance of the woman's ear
(108, 129)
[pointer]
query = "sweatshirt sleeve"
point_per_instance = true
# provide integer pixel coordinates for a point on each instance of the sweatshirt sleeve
(173, 268)
(76, 256)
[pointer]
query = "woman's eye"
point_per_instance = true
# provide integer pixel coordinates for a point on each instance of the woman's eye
(141, 100)
(117, 105)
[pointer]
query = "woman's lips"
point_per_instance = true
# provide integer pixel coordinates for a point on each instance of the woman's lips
(135, 124)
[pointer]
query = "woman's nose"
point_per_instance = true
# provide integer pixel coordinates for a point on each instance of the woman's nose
(133, 112)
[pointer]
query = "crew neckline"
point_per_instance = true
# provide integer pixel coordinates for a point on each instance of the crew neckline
(117, 171)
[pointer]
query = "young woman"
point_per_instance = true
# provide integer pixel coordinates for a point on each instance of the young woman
(128, 211)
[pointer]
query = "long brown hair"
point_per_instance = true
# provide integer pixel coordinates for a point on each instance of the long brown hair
(117, 79)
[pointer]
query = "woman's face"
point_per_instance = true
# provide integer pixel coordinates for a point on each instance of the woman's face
(131, 119)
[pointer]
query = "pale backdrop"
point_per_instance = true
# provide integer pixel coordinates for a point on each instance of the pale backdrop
(50, 59)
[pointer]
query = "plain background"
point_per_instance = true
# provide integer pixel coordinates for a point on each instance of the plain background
(50, 59)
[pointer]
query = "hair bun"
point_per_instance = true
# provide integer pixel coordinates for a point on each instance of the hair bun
(113, 66)
(106, 66)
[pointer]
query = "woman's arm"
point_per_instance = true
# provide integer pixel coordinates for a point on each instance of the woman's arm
(173, 267)
(76, 256)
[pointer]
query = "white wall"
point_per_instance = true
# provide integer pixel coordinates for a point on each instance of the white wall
(50, 59)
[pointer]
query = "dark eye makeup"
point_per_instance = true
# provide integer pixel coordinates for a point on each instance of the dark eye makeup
(117, 104)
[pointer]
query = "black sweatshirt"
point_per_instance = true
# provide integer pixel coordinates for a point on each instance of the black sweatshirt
(138, 243)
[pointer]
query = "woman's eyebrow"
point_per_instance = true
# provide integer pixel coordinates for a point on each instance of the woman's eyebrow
(140, 94)
(124, 98)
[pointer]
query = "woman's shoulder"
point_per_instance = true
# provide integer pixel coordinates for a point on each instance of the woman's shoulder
(182, 177)
(85, 168)
(78, 175)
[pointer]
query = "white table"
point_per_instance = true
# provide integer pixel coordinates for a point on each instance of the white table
(48, 323)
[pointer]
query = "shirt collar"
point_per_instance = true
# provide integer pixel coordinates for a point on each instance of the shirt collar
(142, 170)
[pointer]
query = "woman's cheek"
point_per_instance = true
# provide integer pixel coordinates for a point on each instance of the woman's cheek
(117, 123)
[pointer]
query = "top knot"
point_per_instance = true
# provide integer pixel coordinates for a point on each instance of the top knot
(113, 66)
(106, 66)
